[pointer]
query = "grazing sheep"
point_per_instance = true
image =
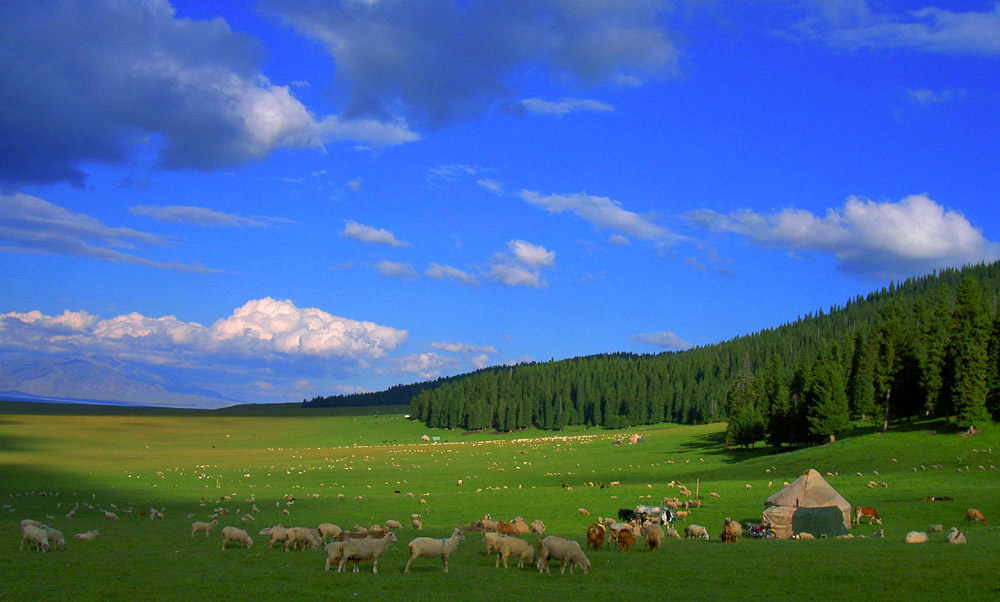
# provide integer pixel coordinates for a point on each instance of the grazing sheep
(714, 494)
(204, 527)
(89, 535)
(363, 549)
(682, 514)
(582, 512)
(595, 536)
(625, 540)
(566, 551)
(975, 515)
(653, 537)
(672, 533)
(935, 528)
(417, 525)
(955, 536)
(491, 540)
(537, 527)
(393, 524)
(329, 530)
(55, 536)
(507, 546)
(303, 536)
(489, 525)
(916, 537)
(35, 536)
(731, 531)
(278, 534)
(426, 547)
(236, 534)
(696, 532)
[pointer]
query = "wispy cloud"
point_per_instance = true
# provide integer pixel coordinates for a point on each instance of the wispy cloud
(491, 185)
(368, 234)
(32, 225)
(447, 272)
(454, 347)
(871, 238)
(927, 97)
(395, 269)
(199, 216)
(664, 339)
(424, 365)
(602, 212)
(537, 106)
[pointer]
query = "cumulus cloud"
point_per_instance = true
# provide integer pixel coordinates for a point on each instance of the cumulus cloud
(509, 274)
(664, 339)
(368, 234)
(522, 267)
(439, 60)
(872, 238)
(447, 272)
(531, 255)
(452, 347)
(32, 225)
(424, 365)
(602, 212)
(855, 25)
(97, 81)
(480, 361)
(199, 216)
(537, 106)
(395, 269)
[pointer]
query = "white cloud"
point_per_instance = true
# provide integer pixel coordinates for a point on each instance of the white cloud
(565, 106)
(491, 185)
(667, 340)
(447, 272)
(480, 361)
(462, 348)
(531, 255)
(32, 225)
(395, 269)
(619, 240)
(601, 212)
(930, 97)
(201, 216)
(368, 234)
(355, 184)
(424, 365)
(880, 239)
(509, 274)
(855, 25)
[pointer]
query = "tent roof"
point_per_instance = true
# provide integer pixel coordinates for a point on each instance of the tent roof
(811, 491)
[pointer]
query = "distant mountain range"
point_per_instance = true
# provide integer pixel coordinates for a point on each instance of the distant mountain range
(90, 380)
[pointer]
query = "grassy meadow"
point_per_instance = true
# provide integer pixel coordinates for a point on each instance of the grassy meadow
(355, 466)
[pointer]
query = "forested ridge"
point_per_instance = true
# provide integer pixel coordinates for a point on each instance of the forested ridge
(925, 346)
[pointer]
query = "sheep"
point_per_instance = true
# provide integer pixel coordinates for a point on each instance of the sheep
(490, 525)
(804, 535)
(653, 537)
(301, 535)
(363, 549)
(714, 494)
(595, 536)
(55, 536)
(625, 540)
(110, 515)
(582, 512)
(278, 534)
(89, 535)
(682, 514)
(935, 528)
(975, 515)
(235, 534)
(955, 536)
(491, 540)
(512, 528)
(417, 525)
(393, 524)
(696, 532)
(334, 551)
(204, 527)
(34, 536)
(426, 547)
(507, 546)
(731, 530)
(672, 532)
(328, 530)
(537, 527)
(564, 550)
(916, 537)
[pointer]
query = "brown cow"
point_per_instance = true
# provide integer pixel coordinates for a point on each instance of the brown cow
(595, 536)
(975, 515)
(871, 513)
(512, 528)
(625, 540)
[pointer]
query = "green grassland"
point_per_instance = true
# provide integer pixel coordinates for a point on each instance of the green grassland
(346, 467)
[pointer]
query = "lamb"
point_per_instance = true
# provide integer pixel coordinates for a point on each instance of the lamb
(328, 530)
(235, 534)
(731, 531)
(55, 537)
(363, 549)
(393, 524)
(696, 532)
(417, 525)
(955, 536)
(89, 535)
(203, 527)
(916, 537)
(34, 536)
(803, 536)
(425, 547)
(302, 535)
(935, 528)
(537, 527)
(653, 537)
(625, 540)
(975, 515)
(491, 540)
(564, 550)
(507, 546)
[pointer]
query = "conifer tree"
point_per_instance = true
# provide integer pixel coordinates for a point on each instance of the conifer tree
(967, 355)
(826, 400)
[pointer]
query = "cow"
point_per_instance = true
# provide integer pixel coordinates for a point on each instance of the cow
(975, 515)
(625, 515)
(871, 513)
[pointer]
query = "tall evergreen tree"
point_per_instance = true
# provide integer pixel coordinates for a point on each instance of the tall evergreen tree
(826, 400)
(861, 378)
(967, 369)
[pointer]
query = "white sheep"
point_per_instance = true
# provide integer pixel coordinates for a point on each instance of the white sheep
(564, 550)
(696, 532)
(278, 534)
(301, 535)
(417, 525)
(491, 540)
(110, 515)
(328, 530)
(537, 527)
(955, 536)
(426, 547)
(235, 534)
(507, 546)
(334, 551)
(935, 528)
(34, 536)
(205, 528)
(55, 536)
(89, 535)
(672, 532)
(363, 549)
(916, 537)
(393, 524)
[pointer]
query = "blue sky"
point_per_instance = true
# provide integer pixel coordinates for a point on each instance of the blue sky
(284, 199)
